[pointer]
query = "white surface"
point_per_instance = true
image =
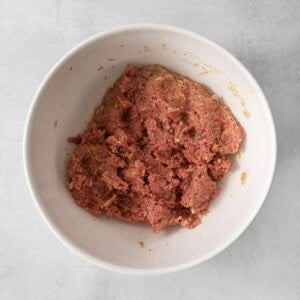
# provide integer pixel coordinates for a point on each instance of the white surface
(69, 95)
(263, 263)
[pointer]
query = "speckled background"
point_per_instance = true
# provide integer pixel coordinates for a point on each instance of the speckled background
(264, 263)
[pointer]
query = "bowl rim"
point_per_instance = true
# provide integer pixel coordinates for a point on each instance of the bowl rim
(30, 178)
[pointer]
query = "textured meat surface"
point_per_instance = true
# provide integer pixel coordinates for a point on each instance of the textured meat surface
(154, 150)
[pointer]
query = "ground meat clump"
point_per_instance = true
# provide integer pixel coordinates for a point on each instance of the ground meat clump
(154, 150)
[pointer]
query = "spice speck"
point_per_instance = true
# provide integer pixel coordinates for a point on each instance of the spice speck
(147, 48)
(246, 113)
(243, 178)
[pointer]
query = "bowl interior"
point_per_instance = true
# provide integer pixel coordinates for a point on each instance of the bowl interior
(65, 102)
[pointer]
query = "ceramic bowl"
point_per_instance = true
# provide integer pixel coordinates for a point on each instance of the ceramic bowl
(65, 102)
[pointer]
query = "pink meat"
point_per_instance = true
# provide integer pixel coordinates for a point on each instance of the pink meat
(154, 150)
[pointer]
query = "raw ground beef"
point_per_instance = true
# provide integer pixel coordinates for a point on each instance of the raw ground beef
(154, 150)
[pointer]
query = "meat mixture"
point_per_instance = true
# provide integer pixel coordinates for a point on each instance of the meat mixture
(154, 151)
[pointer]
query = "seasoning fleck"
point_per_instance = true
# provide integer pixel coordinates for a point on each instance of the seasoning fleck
(246, 113)
(100, 68)
(71, 68)
(122, 45)
(232, 87)
(204, 71)
(213, 69)
(243, 178)
(142, 244)
(164, 46)
(55, 123)
(111, 59)
(147, 48)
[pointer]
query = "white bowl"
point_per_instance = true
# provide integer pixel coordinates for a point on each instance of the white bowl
(66, 100)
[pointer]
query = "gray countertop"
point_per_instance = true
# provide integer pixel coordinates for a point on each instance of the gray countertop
(264, 263)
